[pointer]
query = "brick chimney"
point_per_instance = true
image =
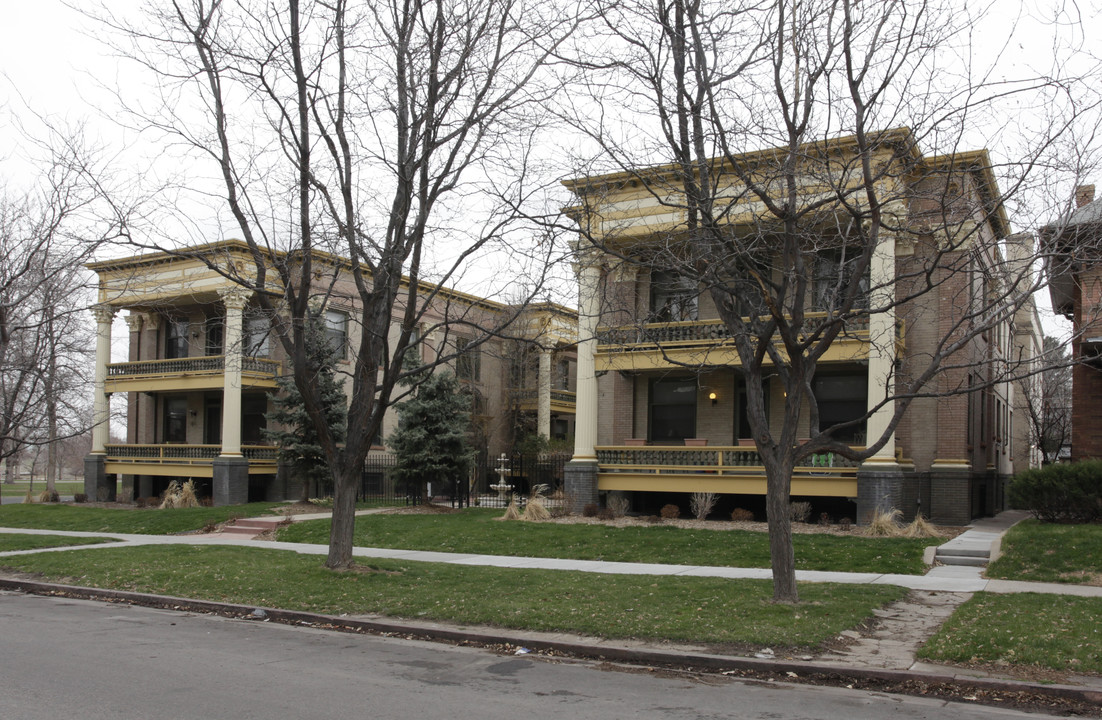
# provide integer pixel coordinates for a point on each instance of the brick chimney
(1083, 195)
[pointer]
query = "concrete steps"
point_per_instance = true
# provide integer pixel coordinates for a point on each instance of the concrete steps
(972, 557)
(252, 526)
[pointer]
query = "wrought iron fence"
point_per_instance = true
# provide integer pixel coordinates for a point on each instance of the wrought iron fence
(522, 473)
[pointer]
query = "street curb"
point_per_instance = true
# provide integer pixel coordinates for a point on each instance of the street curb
(903, 681)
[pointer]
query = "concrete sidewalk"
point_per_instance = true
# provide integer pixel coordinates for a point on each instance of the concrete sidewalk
(939, 579)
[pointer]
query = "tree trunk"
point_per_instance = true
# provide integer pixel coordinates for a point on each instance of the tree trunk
(782, 557)
(344, 518)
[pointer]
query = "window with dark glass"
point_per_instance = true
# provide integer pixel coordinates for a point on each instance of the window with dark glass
(468, 364)
(176, 338)
(214, 331)
(253, 419)
(673, 298)
(835, 273)
(672, 409)
(562, 379)
(336, 331)
(174, 421)
(842, 398)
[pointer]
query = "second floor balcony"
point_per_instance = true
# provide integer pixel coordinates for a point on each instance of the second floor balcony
(649, 346)
(562, 401)
(183, 374)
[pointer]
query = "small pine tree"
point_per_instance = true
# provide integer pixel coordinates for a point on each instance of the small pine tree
(431, 443)
(298, 440)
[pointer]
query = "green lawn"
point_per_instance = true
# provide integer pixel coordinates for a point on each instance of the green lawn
(479, 531)
(1047, 552)
(145, 521)
(18, 489)
(706, 610)
(20, 541)
(1050, 631)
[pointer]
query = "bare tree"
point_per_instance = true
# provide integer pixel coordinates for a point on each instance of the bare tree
(46, 232)
(1050, 407)
(755, 166)
(364, 131)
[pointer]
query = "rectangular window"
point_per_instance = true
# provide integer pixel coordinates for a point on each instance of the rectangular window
(253, 418)
(174, 421)
(257, 329)
(468, 364)
(562, 379)
(336, 332)
(835, 273)
(842, 398)
(175, 338)
(673, 298)
(214, 329)
(672, 409)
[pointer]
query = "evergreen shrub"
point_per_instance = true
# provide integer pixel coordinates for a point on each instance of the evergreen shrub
(1060, 493)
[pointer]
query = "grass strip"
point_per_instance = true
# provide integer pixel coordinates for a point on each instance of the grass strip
(19, 488)
(708, 610)
(1047, 552)
(1049, 631)
(139, 521)
(480, 531)
(20, 541)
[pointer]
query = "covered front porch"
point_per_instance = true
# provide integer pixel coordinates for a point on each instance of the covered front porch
(724, 470)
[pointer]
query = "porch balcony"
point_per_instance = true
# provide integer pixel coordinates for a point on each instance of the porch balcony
(562, 401)
(724, 470)
(183, 374)
(183, 460)
(652, 346)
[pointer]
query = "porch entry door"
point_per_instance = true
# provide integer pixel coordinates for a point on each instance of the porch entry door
(212, 421)
(672, 409)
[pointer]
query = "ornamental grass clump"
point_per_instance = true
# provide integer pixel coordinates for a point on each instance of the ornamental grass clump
(885, 523)
(180, 496)
(536, 509)
(512, 512)
(919, 528)
(702, 504)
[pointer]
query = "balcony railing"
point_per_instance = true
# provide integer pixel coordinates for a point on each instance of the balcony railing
(710, 331)
(529, 395)
(719, 460)
(210, 364)
(186, 454)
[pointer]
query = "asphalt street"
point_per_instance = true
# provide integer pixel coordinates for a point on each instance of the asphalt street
(90, 660)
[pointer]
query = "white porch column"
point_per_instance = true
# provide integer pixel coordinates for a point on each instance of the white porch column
(101, 414)
(881, 377)
(543, 395)
(589, 307)
(234, 299)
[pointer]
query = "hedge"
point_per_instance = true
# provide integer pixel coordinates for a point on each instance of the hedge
(1060, 493)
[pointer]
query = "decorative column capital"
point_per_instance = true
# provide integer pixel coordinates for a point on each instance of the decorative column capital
(134, 321)
(235, 298)
(104, 314)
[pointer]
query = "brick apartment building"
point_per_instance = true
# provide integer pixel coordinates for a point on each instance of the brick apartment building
(1075, 265)
(661, 397)
(201, 367)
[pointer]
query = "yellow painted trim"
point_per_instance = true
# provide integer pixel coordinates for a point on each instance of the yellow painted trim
(197, 381)
(648, 357)
(161, 469)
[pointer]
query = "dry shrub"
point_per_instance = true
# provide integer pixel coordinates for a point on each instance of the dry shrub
(125, 496)
(511, 512)
(590, 510)
(103, 494)
(884, 524)
(49, 496)
(742, 515)
(605, 514)
(670, 512)
(845, 524)
(80, 498)
(536, 510)
(618, 505)
(653, 519)
(919, 528)
(29, 498)
(702, 504)
(180, 496)
(799, 511)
